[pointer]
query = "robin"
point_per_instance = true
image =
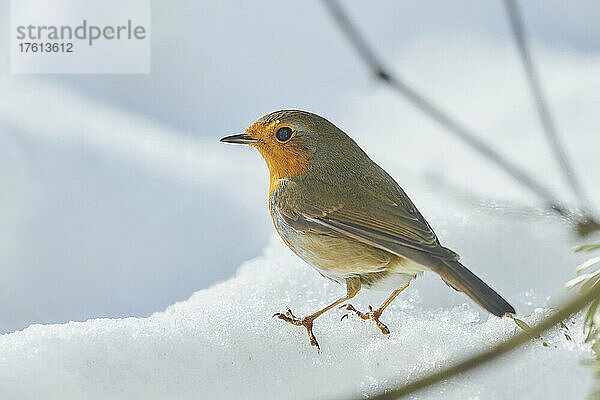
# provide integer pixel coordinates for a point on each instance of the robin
(345, 216)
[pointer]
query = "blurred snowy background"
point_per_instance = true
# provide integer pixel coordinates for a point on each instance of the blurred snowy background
(114, 202)
(116, 198)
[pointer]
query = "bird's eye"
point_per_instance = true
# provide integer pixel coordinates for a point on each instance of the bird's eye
(284, 134)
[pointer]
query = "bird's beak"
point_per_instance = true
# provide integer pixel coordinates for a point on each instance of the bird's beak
(240, 138)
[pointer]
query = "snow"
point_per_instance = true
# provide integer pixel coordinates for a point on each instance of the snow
(223, 343)
(126, 197)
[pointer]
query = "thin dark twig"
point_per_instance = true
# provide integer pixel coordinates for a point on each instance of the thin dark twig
(518, 30)
(426, 106)
(571, 307)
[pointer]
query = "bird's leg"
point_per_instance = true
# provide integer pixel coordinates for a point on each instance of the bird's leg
(375, 314)
(352, 287)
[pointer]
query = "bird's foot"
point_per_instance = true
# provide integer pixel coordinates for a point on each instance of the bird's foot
(372, 315)
(306, 322)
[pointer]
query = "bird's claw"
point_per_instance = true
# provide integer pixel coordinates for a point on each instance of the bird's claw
(307, 322)
(372, 314)
(289, 317)
(351, 308)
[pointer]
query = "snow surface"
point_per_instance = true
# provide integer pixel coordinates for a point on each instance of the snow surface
(223, 343)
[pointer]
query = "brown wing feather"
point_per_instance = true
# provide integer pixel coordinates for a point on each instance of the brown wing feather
(389, 227)
(393, 233)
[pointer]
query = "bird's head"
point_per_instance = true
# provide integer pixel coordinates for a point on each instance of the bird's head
(293, 141)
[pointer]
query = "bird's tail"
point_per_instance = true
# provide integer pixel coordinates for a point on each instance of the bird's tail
(460, 278)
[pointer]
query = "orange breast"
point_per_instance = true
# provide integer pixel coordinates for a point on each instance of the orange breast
(284, 163)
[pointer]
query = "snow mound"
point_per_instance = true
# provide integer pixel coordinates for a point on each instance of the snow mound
(223, 343)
